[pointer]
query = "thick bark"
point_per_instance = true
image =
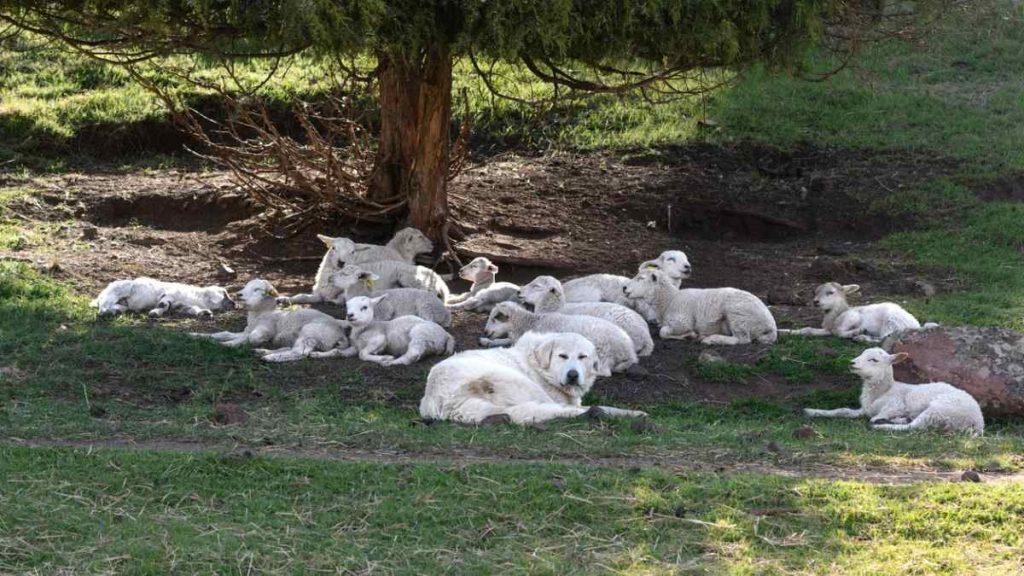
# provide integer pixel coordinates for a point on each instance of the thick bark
(415, 120)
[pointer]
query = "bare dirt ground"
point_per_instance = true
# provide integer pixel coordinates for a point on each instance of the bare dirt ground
(750, 217)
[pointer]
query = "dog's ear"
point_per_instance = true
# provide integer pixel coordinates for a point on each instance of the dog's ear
(898, 357)
(542, 354)
(851, 289)
(325, 239)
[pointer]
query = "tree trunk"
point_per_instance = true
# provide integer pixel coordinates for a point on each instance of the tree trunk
(415, 120)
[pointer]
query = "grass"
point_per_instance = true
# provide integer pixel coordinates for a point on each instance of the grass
(583, 497)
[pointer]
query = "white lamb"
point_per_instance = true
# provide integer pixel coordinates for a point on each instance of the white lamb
(545, 294)
(295, 334)
(509, 321)
(158, 298)
(713, 315)
(391, 274)
(893, 405)
(354, 281)
(542, 377)
(404, 247)
(870, 323)
(403, 340)
(485, 292)
(608, 287)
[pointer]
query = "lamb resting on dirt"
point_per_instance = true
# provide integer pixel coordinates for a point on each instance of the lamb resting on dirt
(545, 294)
(403, 340)
(392, 274)
(485, 292)
(403, 248)
(354, 281)
(608, 287)
(159, 298)
(870, 323)
(540, 378)
(893, 405)
(713, 315)
(295, 334)
(509, 321)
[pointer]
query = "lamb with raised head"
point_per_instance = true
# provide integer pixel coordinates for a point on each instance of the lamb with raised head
(392, 274)
(540, 378)
(509, 321)
(608, 287)
(545, 294)
(485, 292)
(158, 298)
(400, 341)
(404, 247)
(892, 405)
(354, 281)
(869, 323)
(294, 334)
(711, 315)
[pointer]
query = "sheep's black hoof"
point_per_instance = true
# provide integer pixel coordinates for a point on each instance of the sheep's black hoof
(495, 419)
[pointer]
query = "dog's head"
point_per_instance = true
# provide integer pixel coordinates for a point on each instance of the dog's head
(217, 298)
(411, 241)
(540, 288)
(478, 269)
(499, 323)
(566, 360)
(257, 292)
(832, 294)
(359, 310)
(644, 283)
(350, 275)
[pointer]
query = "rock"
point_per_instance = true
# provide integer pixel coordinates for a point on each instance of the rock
(227, 414)
(986, 362)
(970, 476)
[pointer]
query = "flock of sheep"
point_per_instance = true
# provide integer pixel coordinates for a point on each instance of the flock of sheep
(546, 341)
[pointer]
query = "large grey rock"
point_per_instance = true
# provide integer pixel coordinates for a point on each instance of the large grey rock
(986, 362)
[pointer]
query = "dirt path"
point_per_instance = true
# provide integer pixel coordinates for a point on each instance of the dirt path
(678, 462)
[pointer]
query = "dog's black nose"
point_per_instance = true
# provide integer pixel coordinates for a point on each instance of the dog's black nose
(572, 377)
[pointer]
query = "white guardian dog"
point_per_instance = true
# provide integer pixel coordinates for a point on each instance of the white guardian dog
(542, 377)
(158, 298)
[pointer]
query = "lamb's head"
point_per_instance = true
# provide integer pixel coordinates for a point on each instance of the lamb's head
(499, 323)
(832, 295)
(875, 363)
(539, 289)
(568, 361)
(359, 310)
(409, 242)
(478, 270)
(258, 293)
(216, 298)
(350, 275)
(674, 263)
(645, 283)
(338, 249)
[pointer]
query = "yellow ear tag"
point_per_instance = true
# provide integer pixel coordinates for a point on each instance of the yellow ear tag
(368, 282)
(652, 266)
(273, 292)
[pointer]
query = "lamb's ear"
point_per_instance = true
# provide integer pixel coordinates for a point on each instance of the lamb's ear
(542, 354)
(374, 301)
(851, 289)
(492, 268)
(898, 357)
(326, 239)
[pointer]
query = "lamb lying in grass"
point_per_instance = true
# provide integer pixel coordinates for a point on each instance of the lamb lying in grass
(294, 334)
(404, 247)
(893, 405)
(608, 287)
(713, 316)
(354, 282)
(392, 274)
(542, 377)
(485, 292)
(509, 321)
(159, 298)
(870, 323)
(545, 294)
(403, 340)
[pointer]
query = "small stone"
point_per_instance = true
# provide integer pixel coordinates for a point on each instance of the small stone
(970, 476)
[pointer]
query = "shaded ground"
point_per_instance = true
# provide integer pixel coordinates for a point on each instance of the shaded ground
(751, 217)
